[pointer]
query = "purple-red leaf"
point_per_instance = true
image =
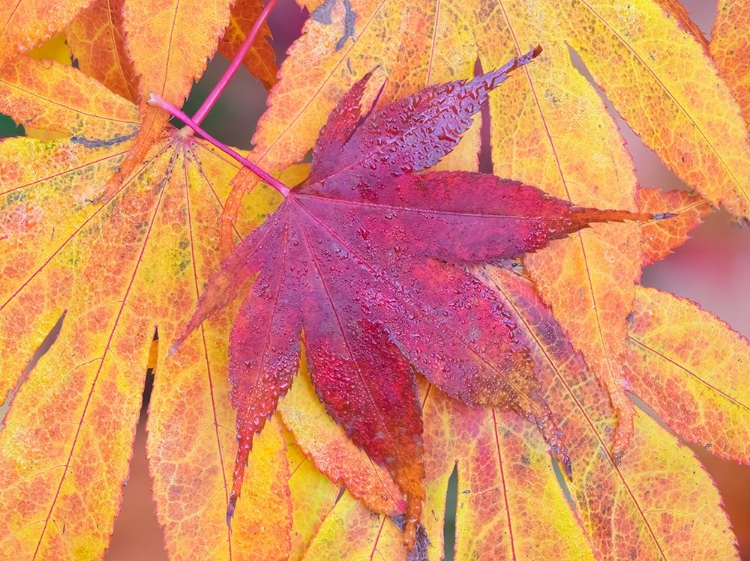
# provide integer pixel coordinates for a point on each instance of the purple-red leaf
(409, 135)
(362, 379)
(365, 262)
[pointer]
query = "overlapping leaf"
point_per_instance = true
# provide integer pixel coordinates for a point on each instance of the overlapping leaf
(142, 258)
(313, 497)
(260, 59)
(169, 45)
(548, 126)
(42, 94)
(169, 48)
(97, 38)
(692, 370)
(507, 490)
(627, 509)
(360, 243)
(352, 531)
(27, 23)
(663, 96)
(115, 271)
(333, 453)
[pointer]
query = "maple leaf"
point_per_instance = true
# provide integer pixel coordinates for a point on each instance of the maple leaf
(97, 38)
(260, 59)
(375, 252)
(548, 126)
(114, 271)
(73, 272)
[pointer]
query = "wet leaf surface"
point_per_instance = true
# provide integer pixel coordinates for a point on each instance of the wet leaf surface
(366, 259)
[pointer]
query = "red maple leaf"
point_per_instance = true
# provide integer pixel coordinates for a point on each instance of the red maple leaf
(366, 261)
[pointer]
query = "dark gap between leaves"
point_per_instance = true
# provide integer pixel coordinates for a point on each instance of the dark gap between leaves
(136, 532)
(48, 341)
(148, 386)
(484, 157)
(9, 128)
(234, 117)
(449, 523)
(563, 482)
(342, 490)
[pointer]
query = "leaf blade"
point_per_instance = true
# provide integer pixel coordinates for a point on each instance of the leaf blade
(97, 40)
(636, 498)
(688, 366)
(660, 238)
(28, 23)
(54, 97)
(333, 453)
(729, 45)
(261, 58)
(671, 89)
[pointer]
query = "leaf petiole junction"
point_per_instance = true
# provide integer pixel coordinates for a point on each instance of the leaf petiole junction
(194, 123)
(156, 101)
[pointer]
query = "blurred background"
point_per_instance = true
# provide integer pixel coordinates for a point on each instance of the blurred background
(712, 268)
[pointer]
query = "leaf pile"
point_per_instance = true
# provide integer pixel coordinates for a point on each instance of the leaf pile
(391, 258)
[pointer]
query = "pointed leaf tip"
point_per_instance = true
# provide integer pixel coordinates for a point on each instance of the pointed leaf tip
(231, 506)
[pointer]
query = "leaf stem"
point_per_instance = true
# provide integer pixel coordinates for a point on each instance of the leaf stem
(157, 101)
(234, 66)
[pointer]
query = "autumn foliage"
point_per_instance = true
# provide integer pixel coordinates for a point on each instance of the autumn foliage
(336, 339)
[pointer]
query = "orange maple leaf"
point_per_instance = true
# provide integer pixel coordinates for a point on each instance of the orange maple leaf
(116, 271)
